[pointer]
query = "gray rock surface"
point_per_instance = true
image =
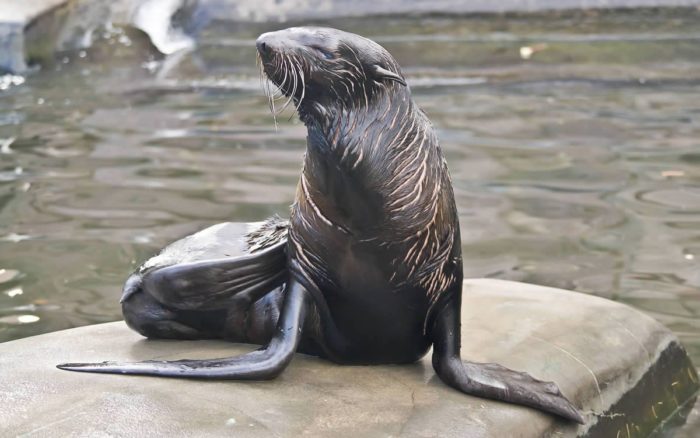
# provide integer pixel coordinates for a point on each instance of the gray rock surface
(32, 31)
(627, 373)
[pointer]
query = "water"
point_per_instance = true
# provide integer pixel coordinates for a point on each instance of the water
(576, 167)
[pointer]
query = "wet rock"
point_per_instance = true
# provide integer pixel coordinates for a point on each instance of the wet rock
(626, 372)
(14, 19)
(32, 32)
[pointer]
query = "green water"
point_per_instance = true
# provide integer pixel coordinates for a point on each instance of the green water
(576, 168)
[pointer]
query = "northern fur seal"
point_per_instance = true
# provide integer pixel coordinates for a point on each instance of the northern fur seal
(367, 271)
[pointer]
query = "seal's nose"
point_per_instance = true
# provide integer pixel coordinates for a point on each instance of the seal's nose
(263, 44)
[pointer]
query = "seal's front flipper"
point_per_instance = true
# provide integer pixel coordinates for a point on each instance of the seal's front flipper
(265, 363)
(490, 380)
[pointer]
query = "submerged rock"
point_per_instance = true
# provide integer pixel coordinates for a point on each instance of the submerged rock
(625, 371)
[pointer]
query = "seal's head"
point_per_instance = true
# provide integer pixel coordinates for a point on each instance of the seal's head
(322, 68)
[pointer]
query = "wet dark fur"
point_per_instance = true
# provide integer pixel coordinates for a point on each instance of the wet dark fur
(371, 267)
(374, 225)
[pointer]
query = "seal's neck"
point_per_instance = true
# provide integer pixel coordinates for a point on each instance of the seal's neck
(373, 166)
(344, 131)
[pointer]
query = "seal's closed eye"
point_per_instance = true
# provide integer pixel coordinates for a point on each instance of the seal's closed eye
(324, 52)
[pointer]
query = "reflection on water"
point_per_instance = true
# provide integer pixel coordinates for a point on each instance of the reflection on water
(578, 167)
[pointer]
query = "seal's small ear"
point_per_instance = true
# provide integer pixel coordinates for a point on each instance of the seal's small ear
(383, 73)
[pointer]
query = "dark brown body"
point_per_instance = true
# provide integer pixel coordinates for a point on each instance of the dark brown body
(380, 266)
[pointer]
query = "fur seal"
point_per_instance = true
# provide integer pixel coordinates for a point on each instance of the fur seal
(368, 270)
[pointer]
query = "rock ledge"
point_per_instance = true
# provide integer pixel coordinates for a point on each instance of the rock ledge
(625, 370)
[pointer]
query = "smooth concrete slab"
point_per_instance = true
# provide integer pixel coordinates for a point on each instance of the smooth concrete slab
(627, 373)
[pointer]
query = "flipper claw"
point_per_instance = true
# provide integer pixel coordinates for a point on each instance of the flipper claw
(95, 367)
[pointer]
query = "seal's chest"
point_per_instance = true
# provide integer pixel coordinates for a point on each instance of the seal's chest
(371, 312)
(381, 325)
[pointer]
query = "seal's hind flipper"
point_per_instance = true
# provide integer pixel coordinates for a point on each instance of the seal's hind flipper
(265, 363)
(487, 379)
(215, 267)
(216, 284)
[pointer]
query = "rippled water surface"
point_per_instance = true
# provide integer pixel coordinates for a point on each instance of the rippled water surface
(578, 167)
